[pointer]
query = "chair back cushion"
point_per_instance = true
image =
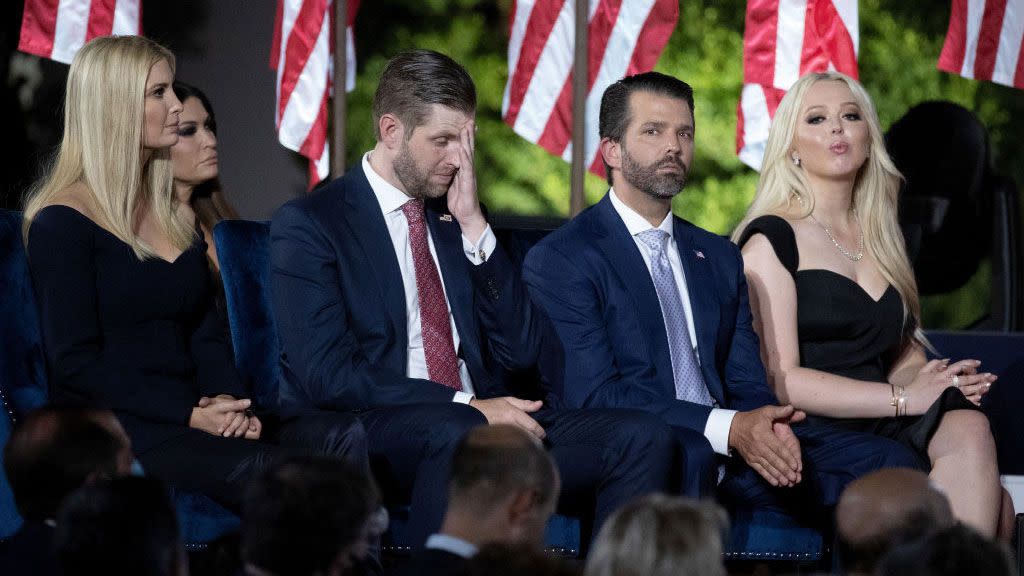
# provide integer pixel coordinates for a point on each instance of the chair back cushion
(1001, 353)
(22, 368)
(243, 249)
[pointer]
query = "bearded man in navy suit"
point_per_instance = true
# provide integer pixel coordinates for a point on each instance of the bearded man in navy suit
(653, 314)
(394, 301)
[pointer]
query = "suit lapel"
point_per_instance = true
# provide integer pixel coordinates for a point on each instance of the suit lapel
(627, 263)
(703, 304)
(447, 236)
(364, 217)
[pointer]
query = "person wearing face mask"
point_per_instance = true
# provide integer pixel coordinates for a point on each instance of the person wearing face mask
(836, 304)
(196, 169)
(124, 291)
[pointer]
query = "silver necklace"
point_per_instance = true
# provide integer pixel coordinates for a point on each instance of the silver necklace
(860, 240)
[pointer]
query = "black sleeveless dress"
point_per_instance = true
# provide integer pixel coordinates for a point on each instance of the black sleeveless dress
(843, 331)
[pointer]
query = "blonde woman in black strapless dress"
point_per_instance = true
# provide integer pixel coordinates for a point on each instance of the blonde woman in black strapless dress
(836, 304)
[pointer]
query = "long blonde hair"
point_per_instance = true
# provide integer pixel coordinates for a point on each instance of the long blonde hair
(660, 535)
(875, 191)
(102, 146)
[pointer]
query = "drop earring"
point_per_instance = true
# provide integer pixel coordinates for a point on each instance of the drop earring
(796, 160)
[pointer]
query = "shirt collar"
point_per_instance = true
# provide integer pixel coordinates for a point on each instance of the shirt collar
(388, 196)
(456, 546)
(634, 222)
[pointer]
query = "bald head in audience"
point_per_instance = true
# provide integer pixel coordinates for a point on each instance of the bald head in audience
(886, 507)
(503, 487)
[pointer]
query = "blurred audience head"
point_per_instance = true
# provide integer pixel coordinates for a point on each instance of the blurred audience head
(659, 535)
(120, 527)
(884, 507)
(956, 550)
(503, 488)
(308, 516)
(55, 450)
(500, 559)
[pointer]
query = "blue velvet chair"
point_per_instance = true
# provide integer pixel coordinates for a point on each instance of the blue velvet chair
(243, 251)
(1001, 353)
(23, 388)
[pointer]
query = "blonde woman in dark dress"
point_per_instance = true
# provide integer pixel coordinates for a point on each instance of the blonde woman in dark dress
(125, 294)
(836, 304)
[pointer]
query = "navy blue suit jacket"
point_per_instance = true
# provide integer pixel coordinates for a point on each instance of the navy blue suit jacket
(592, 280)
(340, 306)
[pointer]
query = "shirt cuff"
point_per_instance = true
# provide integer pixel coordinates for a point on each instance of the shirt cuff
(462, 397)
(717, 429)
(479, 253)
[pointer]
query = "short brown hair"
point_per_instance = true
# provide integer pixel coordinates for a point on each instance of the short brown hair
(414, 80)
(616, 112)
(494, 461)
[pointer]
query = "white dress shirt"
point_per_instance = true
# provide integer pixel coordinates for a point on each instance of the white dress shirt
(456, 546)
(720, 420)
(391, 200)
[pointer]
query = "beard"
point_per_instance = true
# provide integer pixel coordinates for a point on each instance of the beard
(649, 181)
(417, 181)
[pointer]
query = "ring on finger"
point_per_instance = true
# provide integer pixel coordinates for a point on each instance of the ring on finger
(956, 381)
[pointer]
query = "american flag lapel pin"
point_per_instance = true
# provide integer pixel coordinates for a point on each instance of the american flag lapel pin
(699, 254)
(446, 217)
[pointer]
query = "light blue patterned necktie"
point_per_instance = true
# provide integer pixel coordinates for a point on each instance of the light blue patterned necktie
(689, 383)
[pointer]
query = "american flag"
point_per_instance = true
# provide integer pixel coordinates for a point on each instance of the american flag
(57, 29)
(985, 41)
(302, 54)
(783, 40)
(624, 37)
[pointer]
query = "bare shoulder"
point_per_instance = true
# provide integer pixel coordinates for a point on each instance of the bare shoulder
(761, 260)
(756, 247)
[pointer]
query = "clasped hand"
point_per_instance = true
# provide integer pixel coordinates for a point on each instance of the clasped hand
(226, 416)
(937, 375)
(510, 410)
(766, 442)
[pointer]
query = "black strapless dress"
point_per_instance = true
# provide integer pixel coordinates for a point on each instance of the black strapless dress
(842, 330)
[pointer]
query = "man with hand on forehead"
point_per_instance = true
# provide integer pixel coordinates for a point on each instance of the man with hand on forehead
(394, 300)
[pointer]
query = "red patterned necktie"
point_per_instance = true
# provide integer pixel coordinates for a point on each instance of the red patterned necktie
(438, 344)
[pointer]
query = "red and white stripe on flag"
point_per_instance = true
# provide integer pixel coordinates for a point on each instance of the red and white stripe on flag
(985, 41)
(783, 40)
(56, 29)
(302, 53)
(624, 37)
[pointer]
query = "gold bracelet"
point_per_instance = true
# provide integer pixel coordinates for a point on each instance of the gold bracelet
(901, 402)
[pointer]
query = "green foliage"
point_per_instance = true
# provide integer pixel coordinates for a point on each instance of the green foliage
(900, 45)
